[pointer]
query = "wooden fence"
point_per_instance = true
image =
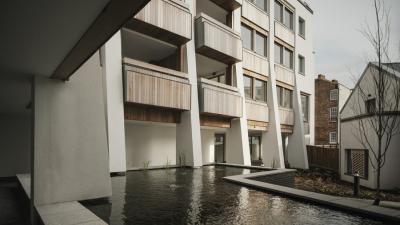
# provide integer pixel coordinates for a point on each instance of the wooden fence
(323, 157)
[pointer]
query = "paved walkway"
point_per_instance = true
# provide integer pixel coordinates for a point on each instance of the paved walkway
(65, 213)
(361, 206)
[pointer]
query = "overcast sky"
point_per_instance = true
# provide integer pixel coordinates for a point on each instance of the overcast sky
(340, 49)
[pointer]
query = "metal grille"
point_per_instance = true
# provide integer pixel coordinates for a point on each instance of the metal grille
(359, 162)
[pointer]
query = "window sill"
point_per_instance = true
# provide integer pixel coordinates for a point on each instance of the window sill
(255, 53)
(282, 24)
(303, 74)
(258, 7)
(352, 175)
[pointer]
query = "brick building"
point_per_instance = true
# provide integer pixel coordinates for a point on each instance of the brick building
(330, 97)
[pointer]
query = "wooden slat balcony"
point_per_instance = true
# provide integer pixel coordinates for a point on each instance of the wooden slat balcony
(219, 99)
(284, 33)
(257, 111)
(167, 20)
(217, 41)
(255, 62)
(255, 15)
(286, 116)
(151, 85)
(228, 5)
(284, 74)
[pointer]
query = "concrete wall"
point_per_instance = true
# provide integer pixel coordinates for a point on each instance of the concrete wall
(114, 102)
(70, 149)
(152, 142)
(15, 144)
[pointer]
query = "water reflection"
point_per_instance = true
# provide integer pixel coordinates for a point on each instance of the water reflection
(201, 196)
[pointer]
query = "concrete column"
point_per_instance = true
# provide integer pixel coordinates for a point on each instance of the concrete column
(188, 139)
(272, 140)
(70, 140)
(297, 152)
(237, 138)
(114, 102)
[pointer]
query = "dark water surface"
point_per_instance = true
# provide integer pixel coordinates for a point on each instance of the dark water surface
(201, 196)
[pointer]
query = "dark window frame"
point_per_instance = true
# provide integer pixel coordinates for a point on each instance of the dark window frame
(302, 64)
(370, 106)
(253, 41)
(302, 28)
(349, 162)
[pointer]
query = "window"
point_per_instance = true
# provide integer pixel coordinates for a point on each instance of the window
(247, 37)
(288, 58)
(278, 11)
(260, 90)
(357, 162)
(288, 18)
(305, 107)
(284, 97)
(261, 44)
(332, 137)
(248, 86)
(333, 113)
(302, 68)
(262, 4)
(334, 94)
(370, 106)
(302, 27)
(278, 53)
(219, 78)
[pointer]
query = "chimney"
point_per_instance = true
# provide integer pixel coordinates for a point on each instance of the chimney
(321, 77)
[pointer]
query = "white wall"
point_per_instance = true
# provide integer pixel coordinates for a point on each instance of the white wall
(15, 144)
(154, 142)
(70, 149)
(207, 144)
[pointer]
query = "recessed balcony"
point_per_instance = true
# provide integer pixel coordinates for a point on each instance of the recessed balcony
(219, 99)
(217, 41)
(284, 74)
(284, 33)
(286, 116)
(166, 20)
(257, 115)
(152, 85)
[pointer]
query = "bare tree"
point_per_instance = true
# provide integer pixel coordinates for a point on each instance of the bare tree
(378, 96)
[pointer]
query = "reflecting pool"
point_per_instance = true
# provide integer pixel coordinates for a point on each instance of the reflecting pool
(201, 196)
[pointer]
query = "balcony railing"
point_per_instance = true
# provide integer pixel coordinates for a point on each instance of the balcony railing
(217, 41)
(257, 111)
(284, 33)
(255, 15)
(219, 99)
(286, 116)
(255, 62)
(228, 5)
(284, 74)
(167, 20)
(152, 85)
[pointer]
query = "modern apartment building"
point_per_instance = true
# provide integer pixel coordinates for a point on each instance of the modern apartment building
(330, 97)
(198, 82)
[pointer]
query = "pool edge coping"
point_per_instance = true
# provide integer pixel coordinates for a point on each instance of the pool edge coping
(342, 203)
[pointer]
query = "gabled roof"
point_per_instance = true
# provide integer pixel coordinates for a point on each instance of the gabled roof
(392, 68)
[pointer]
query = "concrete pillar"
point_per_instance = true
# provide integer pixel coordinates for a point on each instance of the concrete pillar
(237, 138)
(272, 150)
(70, 140)
(188, 139)
(114, 102)
(297, 152)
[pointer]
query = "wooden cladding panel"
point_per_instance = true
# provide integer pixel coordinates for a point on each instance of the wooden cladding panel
(214, 121)
(255, 63)
(171, 21)
(219, 101)
(286, 128)
(284, 33)
(257, 125)
(255, 15)
(217, 41)
(151, 114)
(256, 111)
(149, 87)
(284, 75)
(286, 116)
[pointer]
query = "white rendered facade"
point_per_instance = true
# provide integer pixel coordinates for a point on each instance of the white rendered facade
(278, 134)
